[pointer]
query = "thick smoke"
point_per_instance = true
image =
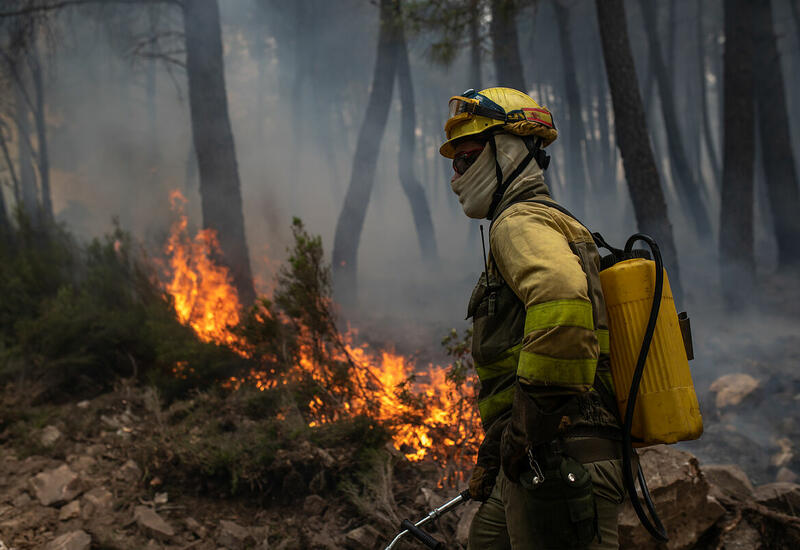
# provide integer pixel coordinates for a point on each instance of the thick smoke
(120, 140)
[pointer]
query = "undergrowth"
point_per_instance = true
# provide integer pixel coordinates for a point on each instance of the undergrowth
(82, 319)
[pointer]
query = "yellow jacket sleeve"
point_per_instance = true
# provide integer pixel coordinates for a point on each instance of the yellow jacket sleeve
(530, 244)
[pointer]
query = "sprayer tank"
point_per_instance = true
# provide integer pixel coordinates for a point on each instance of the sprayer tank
(666, 410)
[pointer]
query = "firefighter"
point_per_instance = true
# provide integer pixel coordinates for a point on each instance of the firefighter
(549, 471)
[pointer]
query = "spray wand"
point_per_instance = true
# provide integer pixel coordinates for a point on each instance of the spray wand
(414, 528)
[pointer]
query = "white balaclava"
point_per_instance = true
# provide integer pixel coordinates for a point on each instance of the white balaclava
(477, 185)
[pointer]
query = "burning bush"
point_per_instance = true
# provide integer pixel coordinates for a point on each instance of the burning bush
(88, 315)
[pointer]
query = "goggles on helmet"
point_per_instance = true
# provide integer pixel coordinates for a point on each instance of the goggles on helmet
(471, 104)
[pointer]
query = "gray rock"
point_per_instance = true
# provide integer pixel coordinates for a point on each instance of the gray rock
(56, 486)
(681, 497)
(151, 523)
(49, 436)
(733, 389)
(314, 505)
(195, 527)
(74, 540)
(82, 463)
(232, 535)
(742, 537)
(787, 475)
(21, 500)
(32, 465)
(69, 511)
(728, 481)
(781, 496)
(365, 536)
(100, 498)
(96, 449)
(129, 471)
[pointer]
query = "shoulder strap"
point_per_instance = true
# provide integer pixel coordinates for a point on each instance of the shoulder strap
(599, 241)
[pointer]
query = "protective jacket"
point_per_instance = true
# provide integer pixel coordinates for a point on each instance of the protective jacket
(540, 335)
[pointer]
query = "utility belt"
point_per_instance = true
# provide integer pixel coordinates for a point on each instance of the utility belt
(580, 449)
(585, 449)
(561, 500)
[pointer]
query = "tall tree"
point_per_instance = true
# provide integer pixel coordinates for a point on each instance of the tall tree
(505, 44)
(354, 210)
(42, 155)
(150, 91)
(220, 190)
(5, 225)
(701, 66)
(690, 192)
(405, 161)
(475, 44)
(632, 138)
(776, 145)
(737, 263)
(27, 176)
(575, 173)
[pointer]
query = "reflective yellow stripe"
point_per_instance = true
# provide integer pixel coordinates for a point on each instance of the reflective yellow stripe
(559, 313)
(496, 404)
(603, 340)
(505, 364)
(544, 370)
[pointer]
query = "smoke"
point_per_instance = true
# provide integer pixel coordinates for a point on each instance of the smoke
(297, 95)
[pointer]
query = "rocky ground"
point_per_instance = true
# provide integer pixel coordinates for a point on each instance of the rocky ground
(81, 481)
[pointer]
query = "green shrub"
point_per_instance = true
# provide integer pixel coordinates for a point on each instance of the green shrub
(77, 318)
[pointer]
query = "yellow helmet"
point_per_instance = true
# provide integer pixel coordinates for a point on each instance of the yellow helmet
(496, 110)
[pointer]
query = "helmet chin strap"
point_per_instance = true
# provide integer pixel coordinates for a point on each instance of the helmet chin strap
(534, 151)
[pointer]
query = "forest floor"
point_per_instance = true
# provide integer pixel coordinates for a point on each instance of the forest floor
(103, 474)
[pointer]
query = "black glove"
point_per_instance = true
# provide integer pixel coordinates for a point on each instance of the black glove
(488, 464)
(513, 452)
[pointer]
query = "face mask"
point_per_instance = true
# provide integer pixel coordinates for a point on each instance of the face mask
(476, 186)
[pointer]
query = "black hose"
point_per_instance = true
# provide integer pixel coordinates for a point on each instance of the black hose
(658, 531)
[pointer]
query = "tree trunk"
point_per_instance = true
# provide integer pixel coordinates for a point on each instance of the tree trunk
(737, 263)
(475, 45)
(632, 137)
(5, 225)
(220, 191)
(795, 14)
(150, 91)
(301, 68)
(41, 135)
(354, 209)
(777, 154)
(505, 45)
(701, 65)
(15, 185)
(27, 175)
(607, 155)
(190, 170)
(690, 193)
(575, 173)
(405, 161)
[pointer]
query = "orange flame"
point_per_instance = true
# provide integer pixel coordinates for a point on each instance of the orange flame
(202, 290)
(206, 300)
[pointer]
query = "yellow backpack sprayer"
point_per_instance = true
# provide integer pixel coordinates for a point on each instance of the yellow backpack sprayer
(650, 351)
